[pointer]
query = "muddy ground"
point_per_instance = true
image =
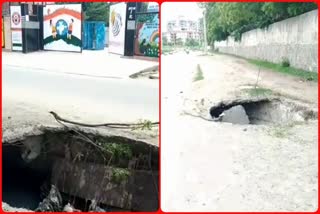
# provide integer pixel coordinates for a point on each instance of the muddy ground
(213, 166)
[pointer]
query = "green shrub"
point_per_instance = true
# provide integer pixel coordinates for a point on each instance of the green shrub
(285, 62)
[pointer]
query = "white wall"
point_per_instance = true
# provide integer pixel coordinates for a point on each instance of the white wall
(295, 39)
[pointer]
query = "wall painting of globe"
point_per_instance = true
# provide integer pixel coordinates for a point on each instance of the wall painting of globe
(62, 27)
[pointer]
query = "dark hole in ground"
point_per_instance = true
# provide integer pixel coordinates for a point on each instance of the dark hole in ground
(20, 184)
(262, 112)
(68, 161)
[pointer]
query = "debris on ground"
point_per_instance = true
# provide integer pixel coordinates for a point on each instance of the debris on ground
(7, 208)
(52, 203)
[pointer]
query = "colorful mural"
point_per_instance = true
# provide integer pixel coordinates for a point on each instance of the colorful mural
(62, 27)
(117, 28)
(147, 35)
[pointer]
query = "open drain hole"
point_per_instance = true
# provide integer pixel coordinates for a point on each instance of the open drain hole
(261, 112)
(125, 178)
(20, 184)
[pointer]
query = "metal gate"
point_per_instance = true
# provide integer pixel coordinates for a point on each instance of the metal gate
(32, 27)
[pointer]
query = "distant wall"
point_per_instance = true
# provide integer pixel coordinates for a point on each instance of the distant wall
(295, 39)
(7, 33)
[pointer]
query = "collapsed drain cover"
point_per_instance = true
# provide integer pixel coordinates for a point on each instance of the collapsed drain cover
(121, 176)
(262, 112)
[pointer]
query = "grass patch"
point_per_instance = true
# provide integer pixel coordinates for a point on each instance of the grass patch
(120, 175)
(305, 75)
(199, 74)
(284, 130)
(258, 92)
(166, 49)
(283, 67)
(279, 132)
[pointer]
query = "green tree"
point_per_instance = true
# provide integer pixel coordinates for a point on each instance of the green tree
(164, 40)
(96, 11)
(190, 42)
(224, 19)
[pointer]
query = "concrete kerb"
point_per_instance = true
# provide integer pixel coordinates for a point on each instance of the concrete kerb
(147, 70)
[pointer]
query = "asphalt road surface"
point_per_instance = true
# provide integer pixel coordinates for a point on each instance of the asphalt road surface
(28, 95)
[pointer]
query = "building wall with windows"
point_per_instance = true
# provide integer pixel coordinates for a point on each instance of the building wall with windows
(181, 29)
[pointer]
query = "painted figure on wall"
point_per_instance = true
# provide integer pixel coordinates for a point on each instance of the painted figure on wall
(62, 27)
(53, 29)
(70, 29)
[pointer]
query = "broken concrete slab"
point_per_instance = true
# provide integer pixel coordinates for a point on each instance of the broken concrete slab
(71, 145)
(94, 181)
(236, 115)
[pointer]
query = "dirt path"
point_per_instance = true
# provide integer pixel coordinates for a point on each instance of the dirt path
(229, 74)
(209, 166)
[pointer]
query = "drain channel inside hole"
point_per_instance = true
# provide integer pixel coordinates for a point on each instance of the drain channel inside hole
(261, 112)
(124, 178)
(21, 184)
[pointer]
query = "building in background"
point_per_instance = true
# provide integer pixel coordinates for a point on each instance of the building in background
(181, 29)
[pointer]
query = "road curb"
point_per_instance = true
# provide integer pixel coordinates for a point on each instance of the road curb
(149, 69)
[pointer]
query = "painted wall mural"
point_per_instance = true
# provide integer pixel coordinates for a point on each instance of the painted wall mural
(16, 28)
(147, 35)
(117, 28)
(62, 27)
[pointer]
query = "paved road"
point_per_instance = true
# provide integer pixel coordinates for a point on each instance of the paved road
(28, 94)
(88, 63)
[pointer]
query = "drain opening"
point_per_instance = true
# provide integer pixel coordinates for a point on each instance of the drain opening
(261, 112)
(20, 183)
(122, 178)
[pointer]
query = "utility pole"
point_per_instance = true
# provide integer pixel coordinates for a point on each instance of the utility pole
(205, 31)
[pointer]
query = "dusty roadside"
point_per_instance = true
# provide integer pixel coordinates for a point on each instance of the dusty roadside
(214, 166)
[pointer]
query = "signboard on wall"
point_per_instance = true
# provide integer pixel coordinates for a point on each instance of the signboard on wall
(153, 7)
(16, 29)
(147, 35)
(62, 27)
(117, 28)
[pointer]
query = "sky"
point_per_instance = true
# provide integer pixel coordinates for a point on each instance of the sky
(171, 10)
